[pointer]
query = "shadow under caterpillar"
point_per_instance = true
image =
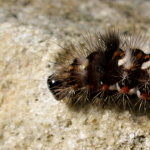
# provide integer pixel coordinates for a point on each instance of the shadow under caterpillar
(109, 69)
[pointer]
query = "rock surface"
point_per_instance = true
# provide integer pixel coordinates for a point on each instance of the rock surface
(30, 118)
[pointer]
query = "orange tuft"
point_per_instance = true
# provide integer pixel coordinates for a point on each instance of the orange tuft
(105, 87)
(144, 95)
(124, 90)
(139, 55)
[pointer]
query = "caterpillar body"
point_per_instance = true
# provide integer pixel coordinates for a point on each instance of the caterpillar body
(108, 69)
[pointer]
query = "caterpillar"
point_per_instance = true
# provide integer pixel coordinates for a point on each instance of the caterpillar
(109, 69)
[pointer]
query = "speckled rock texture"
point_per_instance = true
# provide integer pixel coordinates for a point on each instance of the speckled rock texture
(30, 34)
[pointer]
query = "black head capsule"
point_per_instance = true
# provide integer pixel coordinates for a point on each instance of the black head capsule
(54, 86)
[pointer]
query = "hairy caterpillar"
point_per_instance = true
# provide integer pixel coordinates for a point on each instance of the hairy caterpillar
(108, 69)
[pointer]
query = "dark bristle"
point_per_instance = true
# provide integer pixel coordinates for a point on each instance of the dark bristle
(111, 42)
